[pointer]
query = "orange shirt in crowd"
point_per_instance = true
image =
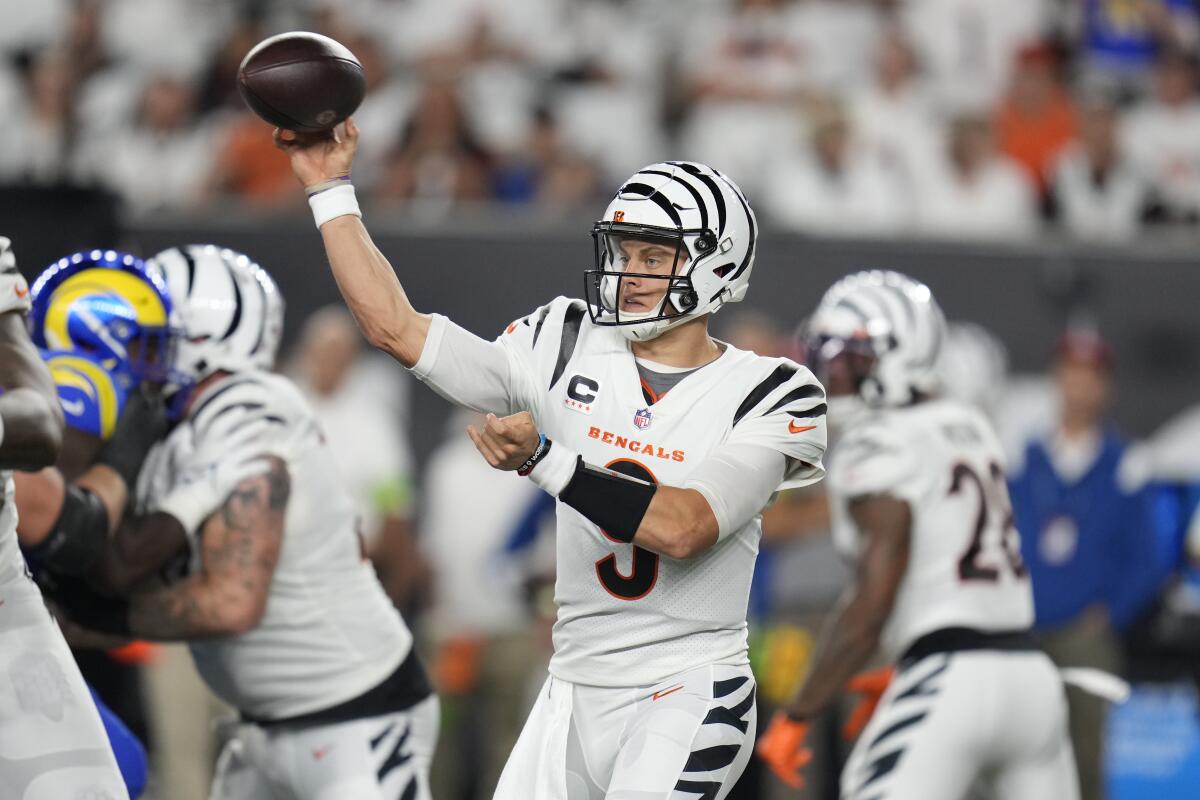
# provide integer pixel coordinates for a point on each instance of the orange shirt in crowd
(1034, 141)
(251, 166)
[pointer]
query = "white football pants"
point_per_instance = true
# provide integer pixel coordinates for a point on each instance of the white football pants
(376, 758)
(985, 721)
(686, 738)
(52, 743)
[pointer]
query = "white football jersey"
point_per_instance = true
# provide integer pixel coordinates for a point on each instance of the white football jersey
(329, 632)
(964, 570)
(626, 616)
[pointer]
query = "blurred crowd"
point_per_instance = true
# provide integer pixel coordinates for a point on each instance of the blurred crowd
(941, 118)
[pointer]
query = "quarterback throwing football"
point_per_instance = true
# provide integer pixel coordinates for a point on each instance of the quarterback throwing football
(662, 446)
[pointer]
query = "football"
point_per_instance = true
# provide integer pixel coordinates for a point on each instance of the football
(301, 81)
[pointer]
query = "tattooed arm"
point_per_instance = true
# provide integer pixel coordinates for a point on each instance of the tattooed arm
(239, 548)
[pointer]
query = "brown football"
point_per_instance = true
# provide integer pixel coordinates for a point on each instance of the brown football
(301, 81)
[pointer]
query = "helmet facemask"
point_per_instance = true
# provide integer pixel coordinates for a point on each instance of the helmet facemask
(605, 287)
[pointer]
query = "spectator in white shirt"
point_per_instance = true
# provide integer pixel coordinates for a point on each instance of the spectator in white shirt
(973, 192)
(1162, 137)
(894, 116)
(838, 37)
(164, 159)
(1097, 192)
(832, 188)
(39, 135)
(968, 46)
(743, 70)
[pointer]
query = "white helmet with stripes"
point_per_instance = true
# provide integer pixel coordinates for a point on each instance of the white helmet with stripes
(692, 208)
(230, 309)
(889, 317)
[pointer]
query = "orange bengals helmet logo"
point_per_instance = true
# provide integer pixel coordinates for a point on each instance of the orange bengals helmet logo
(618, 216)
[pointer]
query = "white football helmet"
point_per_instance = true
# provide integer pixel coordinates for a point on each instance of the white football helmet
(696, 210)
(889, 317)
(973, 366)
(230, 309)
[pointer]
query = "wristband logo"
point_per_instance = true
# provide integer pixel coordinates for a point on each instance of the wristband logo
(635, 446)
(581, 393)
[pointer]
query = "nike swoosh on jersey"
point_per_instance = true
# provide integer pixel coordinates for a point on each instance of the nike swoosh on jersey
(665, 692)
(794, 428)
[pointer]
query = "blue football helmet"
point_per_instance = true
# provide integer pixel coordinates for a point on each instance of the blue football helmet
(91, 394)
(106, 304)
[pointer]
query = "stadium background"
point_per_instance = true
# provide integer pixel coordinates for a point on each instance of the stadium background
(501, 127)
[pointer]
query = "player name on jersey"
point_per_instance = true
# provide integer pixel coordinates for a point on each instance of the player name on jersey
(635, 445)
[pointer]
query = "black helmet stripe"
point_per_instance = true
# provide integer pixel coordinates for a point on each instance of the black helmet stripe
(905, 302)
(237, 302)
(661, 200)
(753, 236)
(693, 170)
(191, 269)
(854, 309)
(262, 314)
(700, 204)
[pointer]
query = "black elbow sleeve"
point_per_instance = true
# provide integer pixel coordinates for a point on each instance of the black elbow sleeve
(613, 501)
(79, 536)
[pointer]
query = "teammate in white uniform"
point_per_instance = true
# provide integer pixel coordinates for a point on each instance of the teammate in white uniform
(919, 502)
(285, 618)
(650, 692)
(52, 743)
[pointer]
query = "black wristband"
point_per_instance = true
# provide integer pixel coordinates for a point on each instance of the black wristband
(614, 502)
(79, 536)
(143, 422)
(538, 454)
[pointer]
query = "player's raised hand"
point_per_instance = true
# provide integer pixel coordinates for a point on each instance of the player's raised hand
(320, 157)
(783, 749)
(506, 442)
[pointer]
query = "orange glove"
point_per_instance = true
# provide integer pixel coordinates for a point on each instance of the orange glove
(871, 685)
(782, 748)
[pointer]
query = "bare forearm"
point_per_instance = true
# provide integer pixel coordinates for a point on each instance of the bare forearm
(138, 550)
(678, 523)
(372, 291)
(846, 645)
(189, 610)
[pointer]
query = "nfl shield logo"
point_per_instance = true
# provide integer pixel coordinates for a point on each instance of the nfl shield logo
(641, 420)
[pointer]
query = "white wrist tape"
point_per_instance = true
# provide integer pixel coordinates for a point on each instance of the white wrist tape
(333, 203)
(555, 471)
(189, 507)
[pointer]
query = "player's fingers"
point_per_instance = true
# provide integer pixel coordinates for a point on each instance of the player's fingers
(483, 447)
(284, 138)
(497, 426)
